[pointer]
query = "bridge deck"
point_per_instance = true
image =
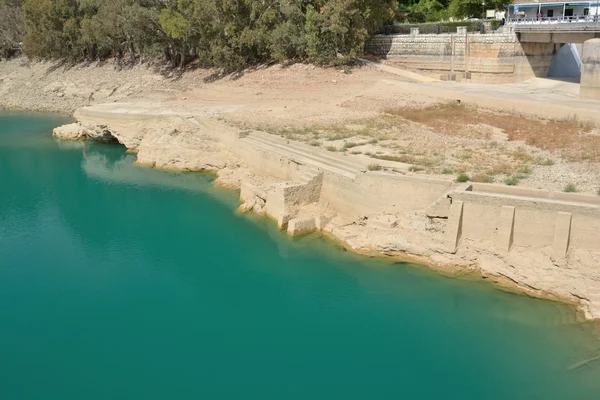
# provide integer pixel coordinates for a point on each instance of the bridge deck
(559, 24)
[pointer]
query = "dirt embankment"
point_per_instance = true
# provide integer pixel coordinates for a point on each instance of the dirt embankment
(360, 111)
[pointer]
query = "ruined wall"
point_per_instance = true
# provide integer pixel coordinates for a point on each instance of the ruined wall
(377, 192)
(516, 217)
(543, 241)
(493, 58)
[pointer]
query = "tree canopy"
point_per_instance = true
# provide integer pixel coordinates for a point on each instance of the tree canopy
(223, 33)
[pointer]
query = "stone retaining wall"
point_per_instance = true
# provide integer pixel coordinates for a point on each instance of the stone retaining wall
(531, 218)
(493, 58)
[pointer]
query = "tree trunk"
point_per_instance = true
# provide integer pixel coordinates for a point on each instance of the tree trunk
(182, 60)
(131, 54)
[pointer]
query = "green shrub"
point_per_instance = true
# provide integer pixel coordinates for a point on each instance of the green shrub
(512, 180)
(570, 188)
(462, 178)
(525, 169)
(374, 167)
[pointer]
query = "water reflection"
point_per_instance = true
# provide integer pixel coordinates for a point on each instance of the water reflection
(112, 164)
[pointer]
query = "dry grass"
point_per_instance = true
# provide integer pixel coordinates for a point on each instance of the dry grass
(481, 178)
(501, 169)
(568, 136)
(454, 139)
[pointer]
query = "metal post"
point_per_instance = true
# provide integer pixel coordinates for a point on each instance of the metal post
(564, 8)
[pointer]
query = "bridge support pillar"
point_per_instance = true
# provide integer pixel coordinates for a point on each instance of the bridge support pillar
(590, 69)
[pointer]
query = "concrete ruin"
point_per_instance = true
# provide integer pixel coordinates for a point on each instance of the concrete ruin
(544, 243)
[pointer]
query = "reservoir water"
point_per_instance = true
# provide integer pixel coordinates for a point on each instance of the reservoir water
(121, 282)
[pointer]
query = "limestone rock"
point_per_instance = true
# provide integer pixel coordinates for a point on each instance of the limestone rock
(69, 132)
(254, 204)
(77, 131)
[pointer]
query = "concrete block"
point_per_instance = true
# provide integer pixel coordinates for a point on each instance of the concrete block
(299, 226)
(451, 76)
(504, 239)
(414, 31)
(454, 229)
(562, 235)
(590, 70)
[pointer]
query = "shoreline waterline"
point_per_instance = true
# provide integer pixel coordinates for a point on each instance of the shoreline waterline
(117, 275)
(470, 273)
(461, 272)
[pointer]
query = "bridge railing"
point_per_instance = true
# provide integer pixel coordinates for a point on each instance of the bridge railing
(577, 23)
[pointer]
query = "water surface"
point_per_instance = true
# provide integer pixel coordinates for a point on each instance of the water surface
(120, 282)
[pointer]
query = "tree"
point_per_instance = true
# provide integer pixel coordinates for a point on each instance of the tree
(12, 27)
(431, 10)
(341, 27)
(230, 34)
(474, 8)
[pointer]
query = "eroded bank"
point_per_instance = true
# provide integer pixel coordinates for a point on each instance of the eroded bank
(543, 242)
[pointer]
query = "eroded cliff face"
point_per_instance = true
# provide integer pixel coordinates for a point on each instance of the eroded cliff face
(393, 213)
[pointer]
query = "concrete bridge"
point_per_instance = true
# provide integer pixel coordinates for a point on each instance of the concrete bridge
(560, 47)
(552, 33)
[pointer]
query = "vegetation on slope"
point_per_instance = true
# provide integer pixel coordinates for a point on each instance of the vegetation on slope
(223, 33)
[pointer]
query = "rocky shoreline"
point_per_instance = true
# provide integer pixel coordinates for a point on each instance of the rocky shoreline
(176, 143)
(385, 209)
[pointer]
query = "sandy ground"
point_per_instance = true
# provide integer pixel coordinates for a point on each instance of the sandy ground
(535, 134)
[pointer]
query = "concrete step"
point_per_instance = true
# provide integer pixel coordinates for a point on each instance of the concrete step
(338, 158)
(306, 155)
(310, 152)
(302, 159)
(310, 176)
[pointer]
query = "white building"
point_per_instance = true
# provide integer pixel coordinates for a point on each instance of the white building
(583, 10)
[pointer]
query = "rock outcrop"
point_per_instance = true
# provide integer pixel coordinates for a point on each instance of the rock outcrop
(76, 131)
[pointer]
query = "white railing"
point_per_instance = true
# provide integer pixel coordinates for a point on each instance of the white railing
(577, 23)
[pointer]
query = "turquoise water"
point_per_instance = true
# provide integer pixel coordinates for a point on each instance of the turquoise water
(119, 282)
